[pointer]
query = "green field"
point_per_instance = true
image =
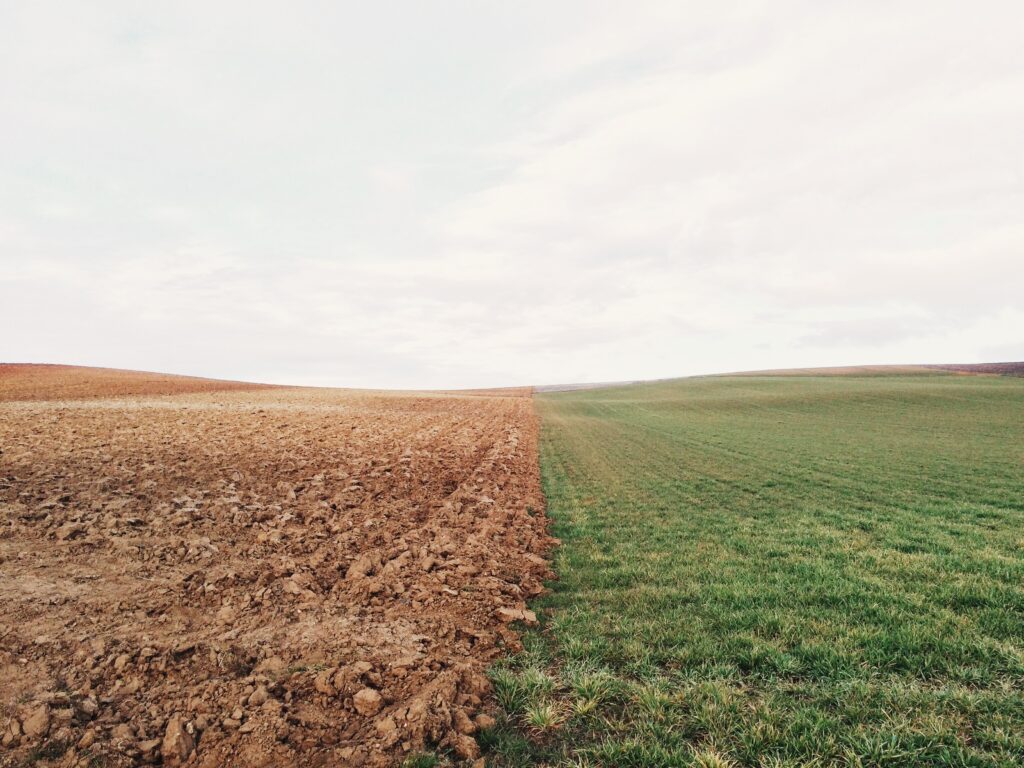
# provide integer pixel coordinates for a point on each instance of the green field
(778, 571)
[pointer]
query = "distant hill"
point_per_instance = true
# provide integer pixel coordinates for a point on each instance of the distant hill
(32, 381)
(975, 369)
(36, 381)
(592, 385)
(990, 369)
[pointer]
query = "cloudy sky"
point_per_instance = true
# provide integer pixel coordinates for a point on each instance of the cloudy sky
(442, 194)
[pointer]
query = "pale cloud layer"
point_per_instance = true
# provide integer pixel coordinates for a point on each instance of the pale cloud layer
(471, 194)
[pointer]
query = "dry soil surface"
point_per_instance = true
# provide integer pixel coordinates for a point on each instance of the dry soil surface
(28, 381)
(269, 577)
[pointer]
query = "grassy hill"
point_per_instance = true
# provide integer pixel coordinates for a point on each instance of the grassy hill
(771, 571)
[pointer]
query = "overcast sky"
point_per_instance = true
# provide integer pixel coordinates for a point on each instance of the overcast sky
(428, 194)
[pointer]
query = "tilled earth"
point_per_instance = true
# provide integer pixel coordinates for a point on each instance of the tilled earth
(270, 577)
(22, 381)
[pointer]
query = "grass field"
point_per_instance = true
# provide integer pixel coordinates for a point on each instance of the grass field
(771, 571)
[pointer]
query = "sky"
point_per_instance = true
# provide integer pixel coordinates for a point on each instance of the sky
(467, 194)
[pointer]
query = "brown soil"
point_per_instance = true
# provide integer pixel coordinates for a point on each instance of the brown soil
(30, 381)
(273, 577)
(984, 369)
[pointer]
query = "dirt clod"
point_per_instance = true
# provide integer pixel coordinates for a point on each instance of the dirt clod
(367, 702)
(37, 723)
(177, 743)
(517, 614)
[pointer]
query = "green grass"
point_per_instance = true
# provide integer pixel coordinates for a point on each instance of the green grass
(778, 572)
(422, 760)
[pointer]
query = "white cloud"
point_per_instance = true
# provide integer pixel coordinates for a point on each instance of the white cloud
(505, 194)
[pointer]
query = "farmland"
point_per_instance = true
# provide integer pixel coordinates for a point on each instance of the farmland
(754, 570)
(213, 573)
(774, 571)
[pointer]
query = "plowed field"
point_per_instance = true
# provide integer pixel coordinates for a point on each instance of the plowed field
(20, 381)
(266, 577)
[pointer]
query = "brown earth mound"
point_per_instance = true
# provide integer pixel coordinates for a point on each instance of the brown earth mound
(29, 381)
(989, 369)
(275, 577)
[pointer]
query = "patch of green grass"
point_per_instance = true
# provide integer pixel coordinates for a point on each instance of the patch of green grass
(509, 691)
(779, 572)
(422, 760)
(542, 715)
